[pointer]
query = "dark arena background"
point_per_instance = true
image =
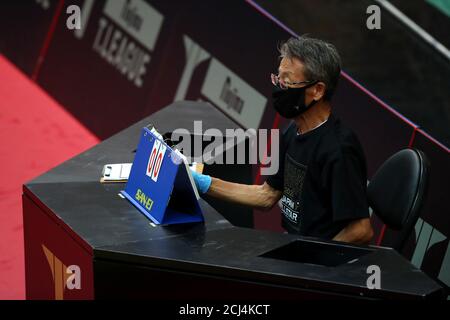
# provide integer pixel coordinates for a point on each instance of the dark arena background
(66, 90)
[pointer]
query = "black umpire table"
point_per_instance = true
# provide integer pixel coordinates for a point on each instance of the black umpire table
(73, 222)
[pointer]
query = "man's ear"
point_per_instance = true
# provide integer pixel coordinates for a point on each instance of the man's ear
(318, 91)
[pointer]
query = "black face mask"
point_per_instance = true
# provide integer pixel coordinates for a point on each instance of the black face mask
(290, 103)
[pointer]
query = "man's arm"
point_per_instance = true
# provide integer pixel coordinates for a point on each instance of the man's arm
(258, 196)
(358, 231)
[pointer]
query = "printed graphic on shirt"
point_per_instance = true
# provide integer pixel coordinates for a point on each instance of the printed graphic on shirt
(291, 202)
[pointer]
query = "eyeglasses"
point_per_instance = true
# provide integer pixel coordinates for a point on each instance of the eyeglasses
(276, 81)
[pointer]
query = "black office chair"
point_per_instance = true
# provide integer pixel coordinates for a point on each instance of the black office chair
(397, 191)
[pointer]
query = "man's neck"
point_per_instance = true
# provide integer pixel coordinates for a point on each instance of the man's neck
(313, 117)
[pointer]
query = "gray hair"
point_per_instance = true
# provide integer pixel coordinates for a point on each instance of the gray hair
(321, 60)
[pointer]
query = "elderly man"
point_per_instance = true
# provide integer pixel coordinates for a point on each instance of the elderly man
(322, 176)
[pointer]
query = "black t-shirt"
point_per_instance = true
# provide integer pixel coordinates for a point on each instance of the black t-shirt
(323, 178)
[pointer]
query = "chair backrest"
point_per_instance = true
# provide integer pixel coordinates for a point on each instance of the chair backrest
(397, 191)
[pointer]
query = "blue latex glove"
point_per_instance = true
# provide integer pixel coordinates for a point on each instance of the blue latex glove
(202, 181)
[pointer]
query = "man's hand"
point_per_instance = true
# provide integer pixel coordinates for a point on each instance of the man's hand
(258, 196)
(202, 181)
(358, 231)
